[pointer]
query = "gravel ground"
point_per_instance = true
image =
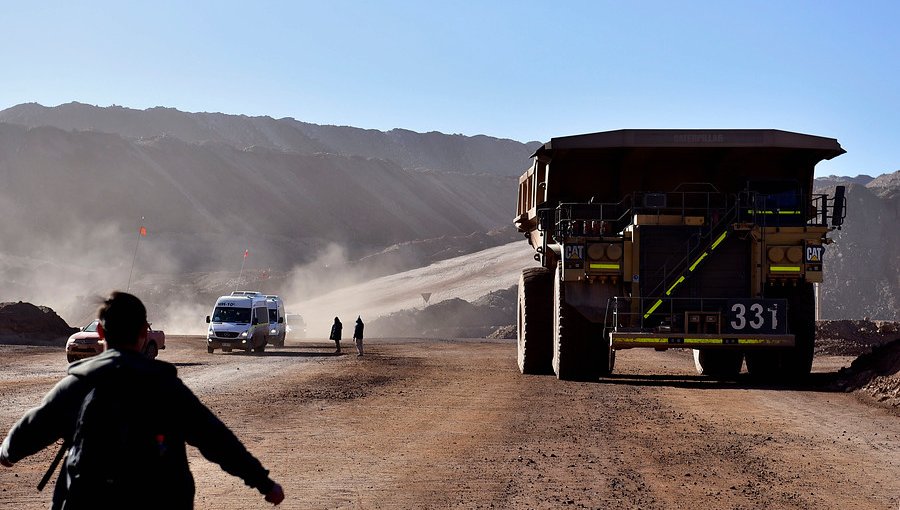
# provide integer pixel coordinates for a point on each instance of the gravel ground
(452, 424)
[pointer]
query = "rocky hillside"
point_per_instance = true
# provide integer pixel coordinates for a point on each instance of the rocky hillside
(77, 182)
(862, 278)
(203, 201)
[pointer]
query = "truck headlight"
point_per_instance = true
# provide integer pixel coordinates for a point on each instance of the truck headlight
(274, 331)
(244, 334)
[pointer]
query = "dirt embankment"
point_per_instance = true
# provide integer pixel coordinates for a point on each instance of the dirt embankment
(25, 323)
(853, 337)
(875, 373)
(451, 318)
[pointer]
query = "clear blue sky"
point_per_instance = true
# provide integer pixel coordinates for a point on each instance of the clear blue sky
(520, 69)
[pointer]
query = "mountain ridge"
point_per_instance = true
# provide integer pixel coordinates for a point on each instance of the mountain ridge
(408, 149)
(367, 203)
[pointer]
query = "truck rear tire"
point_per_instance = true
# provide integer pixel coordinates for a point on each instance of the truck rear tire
(794, 363)
(716, 363)
(578, 355)
(764, 365)
(802, 319)
(535, 333)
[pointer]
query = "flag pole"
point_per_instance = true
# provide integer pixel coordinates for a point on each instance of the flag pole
(141, 233)
(241, 274)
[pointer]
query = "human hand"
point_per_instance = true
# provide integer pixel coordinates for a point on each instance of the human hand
(276, 495)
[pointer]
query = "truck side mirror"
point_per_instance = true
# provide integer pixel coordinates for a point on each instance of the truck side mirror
(839, 207)
(255, 321)
(207, 319)
(281, 320)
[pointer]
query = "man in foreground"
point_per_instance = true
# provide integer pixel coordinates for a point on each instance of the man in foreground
(125, 420)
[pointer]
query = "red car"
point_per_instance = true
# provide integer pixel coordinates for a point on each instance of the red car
(156, 341)
(87, 343)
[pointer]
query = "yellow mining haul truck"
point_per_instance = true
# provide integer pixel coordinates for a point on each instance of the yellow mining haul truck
(702, 239)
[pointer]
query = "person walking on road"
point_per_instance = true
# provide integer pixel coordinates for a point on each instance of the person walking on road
(125, 420)
(336, 330)
(358, 335)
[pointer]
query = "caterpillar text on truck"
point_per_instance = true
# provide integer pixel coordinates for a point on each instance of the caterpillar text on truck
(710, 240)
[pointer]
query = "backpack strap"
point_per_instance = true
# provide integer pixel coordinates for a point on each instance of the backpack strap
(60, 454)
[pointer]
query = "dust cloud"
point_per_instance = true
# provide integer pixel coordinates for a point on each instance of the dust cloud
(179, 278)
(65, 274)
(71, 274)
(330, 271)
(466, 277)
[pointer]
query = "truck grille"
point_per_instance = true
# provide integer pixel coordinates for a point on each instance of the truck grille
(226, 334)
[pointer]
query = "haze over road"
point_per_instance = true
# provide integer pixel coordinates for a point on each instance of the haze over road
(466, 277)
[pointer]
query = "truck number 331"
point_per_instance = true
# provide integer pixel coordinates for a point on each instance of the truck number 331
(755, 317)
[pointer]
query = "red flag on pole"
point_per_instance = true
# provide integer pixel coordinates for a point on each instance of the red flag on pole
(143, 231)
(246, 253)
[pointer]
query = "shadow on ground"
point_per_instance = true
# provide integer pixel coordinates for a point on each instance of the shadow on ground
(295, 351)
(820, 381)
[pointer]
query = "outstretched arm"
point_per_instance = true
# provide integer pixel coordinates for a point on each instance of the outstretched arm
(42, 426)
(218, 444)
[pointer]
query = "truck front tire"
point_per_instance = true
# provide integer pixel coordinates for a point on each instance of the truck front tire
(794, 363)
(535, 334)
(578, 355)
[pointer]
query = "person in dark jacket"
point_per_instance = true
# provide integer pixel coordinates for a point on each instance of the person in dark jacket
(358, 335)
(336, 330)
(149, 401)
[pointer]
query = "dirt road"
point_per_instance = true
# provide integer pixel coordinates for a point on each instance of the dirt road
(438, 424)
